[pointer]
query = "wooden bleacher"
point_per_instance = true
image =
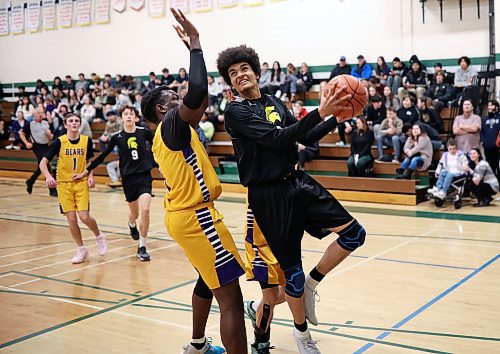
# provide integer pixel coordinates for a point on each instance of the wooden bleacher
(330, 168)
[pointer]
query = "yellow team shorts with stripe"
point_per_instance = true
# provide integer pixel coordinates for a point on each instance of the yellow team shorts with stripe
(73, 196)
(207, 242)
(260, 263)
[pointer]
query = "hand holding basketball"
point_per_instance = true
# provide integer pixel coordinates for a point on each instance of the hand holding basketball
(332, 101)
(358, 96)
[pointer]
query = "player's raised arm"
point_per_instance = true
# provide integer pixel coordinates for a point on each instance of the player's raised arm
(196, 100)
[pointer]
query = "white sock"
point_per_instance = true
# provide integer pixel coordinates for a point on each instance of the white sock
(142, 241)
(81, 247)
(256, 304)
(131, 225)
(303, 335)
(310, 282)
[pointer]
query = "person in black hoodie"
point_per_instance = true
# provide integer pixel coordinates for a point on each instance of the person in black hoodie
(440, 91)
(408, 113)
(376, 113)
(428, 115)
(360, 161)
(415, 81)
(490, 131)
(341, 68)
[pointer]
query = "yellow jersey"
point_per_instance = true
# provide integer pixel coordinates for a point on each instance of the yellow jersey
(189, 176)
(72, 158)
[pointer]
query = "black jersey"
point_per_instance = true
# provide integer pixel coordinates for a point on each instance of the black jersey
(134, 151)
(264, 135)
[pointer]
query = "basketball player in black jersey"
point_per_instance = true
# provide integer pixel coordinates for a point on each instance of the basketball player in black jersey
(285, 202)
(136, 162)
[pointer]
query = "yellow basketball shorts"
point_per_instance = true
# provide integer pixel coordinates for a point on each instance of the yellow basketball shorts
(73, 196)
(260, 263)
(207, 243)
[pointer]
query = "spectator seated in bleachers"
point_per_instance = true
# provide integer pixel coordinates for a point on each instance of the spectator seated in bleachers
(395, 79)
(17, 126)
(453, 163)
(87, 111)
(363, 70)
(390, 135)
(277, 80)
(465, 74)
(382, 70)
(214, 91)
(372, 92)
(309, 152)
(490, 134)
(341, 68)
(153, 81)
(290, 85)
(428, 115)
(81, 83)
(467, 128)
(298, 110)
(360, 161)
(265, 78)
(180, 83)
(207, 126)
(418, 150)
(113, 126)
(304, 78)
(408, 113)
(415, 81)
(440, 92)
(26, 108)
(375, 114)
(390, 100)
(484, 182)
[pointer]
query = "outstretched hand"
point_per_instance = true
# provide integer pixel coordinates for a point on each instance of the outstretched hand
(186, 30)
(331, 104)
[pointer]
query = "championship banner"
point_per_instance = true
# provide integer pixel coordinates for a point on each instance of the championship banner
(4, 18)
(180, 4)
(252, 2)
(156, 8)
(137, 5)
(101, 11)
(17, 19)
(83, 12)
(119, 5)
(33, 16)
(48, 15)
(201, 5)
(226, 4)
(66, 13)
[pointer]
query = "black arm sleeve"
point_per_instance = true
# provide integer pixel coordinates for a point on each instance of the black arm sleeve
(242, 120)
(175, 132)
(149, 135)
(90, 149)
(319, 132)
(198, 84)
(53, 150)
(100, 159)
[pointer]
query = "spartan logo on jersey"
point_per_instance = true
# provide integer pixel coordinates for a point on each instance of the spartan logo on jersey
(271, 115)
(132, 143)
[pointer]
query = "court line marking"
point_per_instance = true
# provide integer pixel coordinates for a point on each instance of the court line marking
(168, 239)
(48, 244)
(54, 254)
(94, 314)
(429, 304)
(20, 292)
(87, 267)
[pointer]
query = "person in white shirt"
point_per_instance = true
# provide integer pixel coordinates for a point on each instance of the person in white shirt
(453, 163)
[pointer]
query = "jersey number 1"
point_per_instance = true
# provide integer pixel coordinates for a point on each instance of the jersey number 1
(74, 163)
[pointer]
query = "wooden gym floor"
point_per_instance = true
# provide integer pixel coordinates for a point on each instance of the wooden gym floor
(425, 281)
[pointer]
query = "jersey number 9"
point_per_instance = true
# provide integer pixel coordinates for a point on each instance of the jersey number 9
(135, 155)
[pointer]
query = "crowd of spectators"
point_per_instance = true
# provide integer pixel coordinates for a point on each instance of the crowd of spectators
(403, 111)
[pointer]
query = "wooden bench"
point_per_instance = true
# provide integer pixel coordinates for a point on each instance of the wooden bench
(379, 168)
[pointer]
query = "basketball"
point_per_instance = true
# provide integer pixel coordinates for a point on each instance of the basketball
(355, 88)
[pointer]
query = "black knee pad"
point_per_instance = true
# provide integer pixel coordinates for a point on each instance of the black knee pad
(202, 290)
(295, 281)
(352, 237)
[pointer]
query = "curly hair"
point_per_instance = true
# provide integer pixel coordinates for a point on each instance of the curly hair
(149, 102)
(234, 55)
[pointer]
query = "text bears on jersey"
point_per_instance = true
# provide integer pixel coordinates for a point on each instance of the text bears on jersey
(71, 152)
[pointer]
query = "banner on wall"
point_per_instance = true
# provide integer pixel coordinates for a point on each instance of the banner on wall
(180, 4)
(226, 4)
(202, 5)
(156, 8)
(17, 19)
(101, 11)
(33, 16)
(252, 2)
(66, 13)
(83, 12)
(119, 5)
(4, 18)
(137, 5)
(48, 15)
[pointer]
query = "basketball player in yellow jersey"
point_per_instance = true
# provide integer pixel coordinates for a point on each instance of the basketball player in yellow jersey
(73, 151)
(192, 185)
